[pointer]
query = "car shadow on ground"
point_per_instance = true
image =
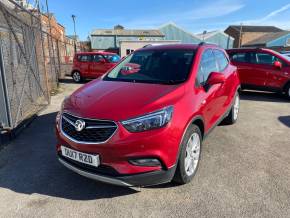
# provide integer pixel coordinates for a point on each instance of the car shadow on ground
(69, 80)
(285, 120)
(263, 96)
(29, 165)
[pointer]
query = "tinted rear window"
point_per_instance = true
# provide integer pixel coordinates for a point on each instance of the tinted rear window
(112, 58)
(84, 58)
(245, 57)
(238, 57)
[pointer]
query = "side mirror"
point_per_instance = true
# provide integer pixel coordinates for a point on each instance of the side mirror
(277, 64)
(215, 78)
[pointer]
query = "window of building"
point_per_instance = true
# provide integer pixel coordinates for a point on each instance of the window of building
(129, 51)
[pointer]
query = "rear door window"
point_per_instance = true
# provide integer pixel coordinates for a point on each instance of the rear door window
(84, 58)
(239, 57)
(112, 58)
(251, 57)
(221, 60)
(207, 65)
(265, 58)
(97, 58)
(245, 57)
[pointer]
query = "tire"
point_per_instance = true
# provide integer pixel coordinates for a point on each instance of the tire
(287, 91)
(188, 163)
(234, 112)
(76, 76)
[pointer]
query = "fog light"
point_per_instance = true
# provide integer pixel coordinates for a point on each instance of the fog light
(146, 162)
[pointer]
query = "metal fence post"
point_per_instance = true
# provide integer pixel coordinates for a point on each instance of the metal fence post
(4, 89)
(43, 53)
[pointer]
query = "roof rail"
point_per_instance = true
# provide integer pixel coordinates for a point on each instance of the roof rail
(148, 45)
(154, 44)
(206, 43)
(250, 47)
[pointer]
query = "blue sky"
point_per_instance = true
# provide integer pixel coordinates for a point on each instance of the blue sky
(193, 15)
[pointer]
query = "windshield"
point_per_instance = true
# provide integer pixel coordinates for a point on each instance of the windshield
(156, 66)
(112, 58)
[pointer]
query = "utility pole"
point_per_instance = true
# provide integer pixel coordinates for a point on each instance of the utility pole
(203, 35)
(75, 38)
(241, 35)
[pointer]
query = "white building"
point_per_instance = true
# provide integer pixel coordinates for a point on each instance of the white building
(25, 4)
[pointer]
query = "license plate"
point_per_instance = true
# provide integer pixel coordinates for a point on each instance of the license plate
(93, 160)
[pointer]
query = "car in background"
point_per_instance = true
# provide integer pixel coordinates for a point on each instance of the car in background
(143, 123)
(262, 69)
(286, 53)
(91, 65)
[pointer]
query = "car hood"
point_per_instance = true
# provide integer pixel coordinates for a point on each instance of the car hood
(115, 100)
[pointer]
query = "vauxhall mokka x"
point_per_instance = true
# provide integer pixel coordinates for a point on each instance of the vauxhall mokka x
(143, 122)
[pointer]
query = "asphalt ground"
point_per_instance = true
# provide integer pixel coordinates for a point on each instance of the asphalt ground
(244, 172)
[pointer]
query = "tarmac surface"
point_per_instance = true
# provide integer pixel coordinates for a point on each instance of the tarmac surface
(244, 172)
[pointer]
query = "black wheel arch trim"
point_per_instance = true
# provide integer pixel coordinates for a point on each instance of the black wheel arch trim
(204, 134)
(195, 118)
(285, 85)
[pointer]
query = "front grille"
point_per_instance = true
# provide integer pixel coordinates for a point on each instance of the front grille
(95, 131)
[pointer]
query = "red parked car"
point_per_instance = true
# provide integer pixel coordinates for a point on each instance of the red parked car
(262, 69)
(145, 126)
(91, 65)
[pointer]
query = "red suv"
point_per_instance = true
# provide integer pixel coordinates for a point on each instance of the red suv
(91, 65)
(144, 121)
(262, 69)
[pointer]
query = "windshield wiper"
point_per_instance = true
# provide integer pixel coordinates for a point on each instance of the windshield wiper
(171, 82)
(166, 82)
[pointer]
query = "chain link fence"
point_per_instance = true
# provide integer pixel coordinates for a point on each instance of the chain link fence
(32, 61)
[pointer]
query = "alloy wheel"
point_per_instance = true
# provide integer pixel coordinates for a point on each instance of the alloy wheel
(236, 107)
(76, 76)
(192, 154)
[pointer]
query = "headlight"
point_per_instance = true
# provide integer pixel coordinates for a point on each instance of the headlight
(149, 121)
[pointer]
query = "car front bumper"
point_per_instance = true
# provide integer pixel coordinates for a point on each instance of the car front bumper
(138, 180)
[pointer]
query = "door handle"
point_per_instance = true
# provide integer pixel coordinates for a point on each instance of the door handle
(286, 73)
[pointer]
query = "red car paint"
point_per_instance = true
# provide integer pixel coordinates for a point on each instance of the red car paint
(261, 69)
(91, 68)
(118, 101)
